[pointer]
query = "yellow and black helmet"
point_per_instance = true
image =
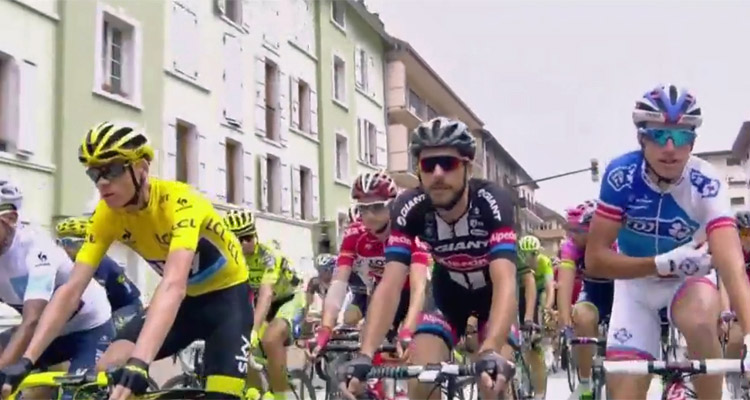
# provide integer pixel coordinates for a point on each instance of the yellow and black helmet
(72, 227)
(107, 142)
(241, 222)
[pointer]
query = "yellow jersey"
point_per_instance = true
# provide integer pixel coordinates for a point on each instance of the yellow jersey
(176, 217)
(267, 267)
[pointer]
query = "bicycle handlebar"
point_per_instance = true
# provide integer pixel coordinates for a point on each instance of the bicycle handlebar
(353, 347)
(431, 373)
(714, 366)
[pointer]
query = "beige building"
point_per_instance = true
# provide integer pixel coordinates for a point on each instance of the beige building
(551, 232)
(735, 174)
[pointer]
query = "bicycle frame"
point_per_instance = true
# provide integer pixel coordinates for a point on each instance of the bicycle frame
(59, 379)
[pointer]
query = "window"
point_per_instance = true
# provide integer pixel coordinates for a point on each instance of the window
(339, 79)
(234, 175)
(342, 221)
(303, 114)
(185, 151)
(360, 68)
(272, 101)
(233, 80)
(416, 104)
(731, 162)
(342, 158)
(184, 41)
(306, 193)
(273, 168)
(737, 201)
(338, 13)
(736, 183)
(118, 57)
(8, 101)
(431, 113)
(368, 142)
(233, 10)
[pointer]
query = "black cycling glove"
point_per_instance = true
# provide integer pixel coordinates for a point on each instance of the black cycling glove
(133, 375)
(14, 373)
(358, 368)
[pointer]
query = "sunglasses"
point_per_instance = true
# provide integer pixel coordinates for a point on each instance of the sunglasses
(446, 163)
(247, 239)
(374, 207)
(660, 136)
(108, 172)
(69, 242)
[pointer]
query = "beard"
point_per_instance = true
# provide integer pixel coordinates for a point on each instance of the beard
(441, 195)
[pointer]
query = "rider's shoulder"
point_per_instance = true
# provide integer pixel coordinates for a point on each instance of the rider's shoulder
(356, 228)
(702, 177)
(489, 191)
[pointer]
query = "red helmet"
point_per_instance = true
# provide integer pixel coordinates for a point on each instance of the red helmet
(374, 184)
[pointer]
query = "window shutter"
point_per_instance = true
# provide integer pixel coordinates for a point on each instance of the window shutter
(204, 154)
(260, 96)
(313, 112)
(358, 78)
(362, 139)
(372, 77)
(185, 38)
(283, 103)
(193, 38)
(233, 80)
(169, 161)
(315, 197)
(294, 102)
(286, 190)
(263, 168)
(381, 157)
(271, 27)
(248, 184)
(247, 16)
(27, 132)
(296, 192)
(221, 172)
(221, 7)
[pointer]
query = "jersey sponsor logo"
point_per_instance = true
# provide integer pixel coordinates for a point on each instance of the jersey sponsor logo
(478, 232)
(707, 187)
(494, 207)
(462, 245)
(164, 239)
(398, 240)
(503, 236)
(220, 230)
(462, 261)
(621, 177)
(184, 223)
(401, 219)
(676, 228)
(183, 204)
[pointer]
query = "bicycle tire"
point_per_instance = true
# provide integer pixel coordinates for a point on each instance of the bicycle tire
(305, 384)
(182, 381)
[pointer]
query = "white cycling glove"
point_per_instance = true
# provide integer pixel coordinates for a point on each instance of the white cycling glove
(690, 259)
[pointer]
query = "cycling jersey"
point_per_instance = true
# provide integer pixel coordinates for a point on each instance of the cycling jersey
(267, 267)
(363, 247)
(462, 252)
(33, 267)
(655, 221)
(543, 272)
(121, 291)
(176, 217)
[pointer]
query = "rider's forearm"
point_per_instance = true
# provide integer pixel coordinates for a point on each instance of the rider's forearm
(417, 296)
(737, 288)
(380, 313)
(160, 317)
(19, 341)
(58, 311)
(549, 297)
(609, 264)
(529, 296)
(265, 297)
(723, 297)
(566, 281)
(502, 313)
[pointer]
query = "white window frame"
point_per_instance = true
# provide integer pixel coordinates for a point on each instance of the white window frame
(344, 179)
(341, 25)
(238, 178)
(364, 70)
(133, 49)
(275, 185)
(306, 196)
(341, 101)
(304, 99)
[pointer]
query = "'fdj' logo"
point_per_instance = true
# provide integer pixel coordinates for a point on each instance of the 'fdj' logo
(621, 177)
(676, 228)
(707, 187)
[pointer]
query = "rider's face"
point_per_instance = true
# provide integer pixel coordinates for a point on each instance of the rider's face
(325, 276)
(248, 244)
(667, 158)
(375, 213)
(442, 173)
(114, 182)
(7, 227)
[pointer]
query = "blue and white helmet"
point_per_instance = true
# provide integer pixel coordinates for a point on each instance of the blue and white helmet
(11, 197)
(667, 104)
(743, 219)
(325, 262)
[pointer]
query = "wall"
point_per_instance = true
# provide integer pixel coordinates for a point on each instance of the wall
(735, 178)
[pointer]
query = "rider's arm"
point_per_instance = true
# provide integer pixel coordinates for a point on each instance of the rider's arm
(723, 296)
(309, 295)
(529, 291)
(417, 294)
(549, 288)
(566, 275)
(271, 275)
(340, 281)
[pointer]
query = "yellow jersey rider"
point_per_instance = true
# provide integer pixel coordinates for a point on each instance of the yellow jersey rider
(279, 299)
(203, 293)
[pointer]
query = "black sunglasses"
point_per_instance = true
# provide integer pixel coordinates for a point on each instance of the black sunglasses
(446, 163)
(108, 172)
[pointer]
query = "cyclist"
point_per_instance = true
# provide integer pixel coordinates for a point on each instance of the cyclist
(363, 245)
(468, 224)
(123, 295)
(594, 303)
(324, 264)
(279, 302)
(203, 293)
(660, 204)
(32, 267)
(539, 288)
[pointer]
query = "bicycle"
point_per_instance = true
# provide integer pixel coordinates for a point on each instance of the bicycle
(568, 359)
(191, 364)
(96, 386)
(736, 384)
(521, 385)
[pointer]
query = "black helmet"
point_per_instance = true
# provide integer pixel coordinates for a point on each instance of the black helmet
(743, 219)
(443, 132)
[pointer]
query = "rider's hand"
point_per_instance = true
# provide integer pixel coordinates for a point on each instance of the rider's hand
(567, 332)
(132, 379)
(725, 319)
(353, 375)
(13, 374)
(402, 343)
(495, 371)
(690, 259)
(322, 336)
(254, 339)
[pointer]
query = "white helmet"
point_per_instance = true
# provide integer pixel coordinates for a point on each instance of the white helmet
(10, 197)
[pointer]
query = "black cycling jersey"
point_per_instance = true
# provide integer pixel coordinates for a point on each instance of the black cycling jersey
(484, 233)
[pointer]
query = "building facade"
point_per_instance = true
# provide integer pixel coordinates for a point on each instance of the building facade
(29, 133)
(551, 232)
(735, 176)
(352, 42)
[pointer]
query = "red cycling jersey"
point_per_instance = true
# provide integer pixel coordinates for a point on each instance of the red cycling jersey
(361, 246)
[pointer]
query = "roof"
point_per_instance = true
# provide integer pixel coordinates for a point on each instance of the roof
(402, 45)
(506, 155)
(716, 153)
(548, 213)
(742, 141)
(372, 19)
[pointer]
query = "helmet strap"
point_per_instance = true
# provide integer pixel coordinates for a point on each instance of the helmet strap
(138, 186)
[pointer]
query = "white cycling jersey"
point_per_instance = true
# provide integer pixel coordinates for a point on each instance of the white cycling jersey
(34, 266)
(655, 222)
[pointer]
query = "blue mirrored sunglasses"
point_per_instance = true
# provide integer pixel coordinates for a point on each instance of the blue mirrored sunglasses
(660, 136)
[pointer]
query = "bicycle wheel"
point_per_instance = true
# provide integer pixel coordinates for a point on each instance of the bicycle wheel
(182, 381)
(572, 370)
(301, 385)
(521, 386)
